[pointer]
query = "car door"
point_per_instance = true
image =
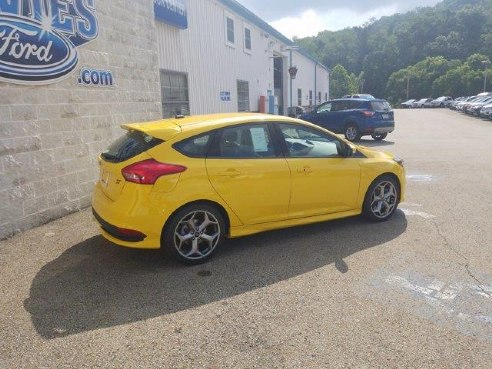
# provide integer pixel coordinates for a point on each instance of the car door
(323, 180)
(329, 115)
(249, 172)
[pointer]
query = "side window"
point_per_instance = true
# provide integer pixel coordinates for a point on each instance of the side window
(344, 105)
(354, 104)
(229, 28)
(247, 40)
(245, 141)
(310, 143)
(336, 106)
(195, 147)
(324, 108)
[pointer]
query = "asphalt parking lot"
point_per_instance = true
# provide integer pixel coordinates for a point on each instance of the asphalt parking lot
(413, 292)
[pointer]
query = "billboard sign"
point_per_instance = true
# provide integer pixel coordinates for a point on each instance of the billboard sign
(172, 12)
(39, 38)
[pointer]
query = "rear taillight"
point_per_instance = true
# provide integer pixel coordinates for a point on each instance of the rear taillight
(367, 113)
(148, 171)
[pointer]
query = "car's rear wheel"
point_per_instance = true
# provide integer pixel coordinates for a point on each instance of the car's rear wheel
(382, 198)
(193, 233)
(379, 136)
(352, 132)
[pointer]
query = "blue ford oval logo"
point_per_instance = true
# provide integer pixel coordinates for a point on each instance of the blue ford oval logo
(32, 52)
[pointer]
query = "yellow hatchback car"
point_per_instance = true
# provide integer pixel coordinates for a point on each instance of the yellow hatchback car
(184, 184)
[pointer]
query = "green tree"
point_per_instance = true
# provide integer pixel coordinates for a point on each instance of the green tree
(341, 82)
(453, 29)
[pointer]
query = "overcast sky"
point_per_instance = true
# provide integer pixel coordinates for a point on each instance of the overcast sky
(308, 17)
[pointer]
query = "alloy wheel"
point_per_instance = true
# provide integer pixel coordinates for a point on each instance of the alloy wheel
(351, 133)
(196, 235)
(383, 199)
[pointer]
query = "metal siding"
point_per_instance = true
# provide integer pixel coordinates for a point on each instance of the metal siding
(212, 66)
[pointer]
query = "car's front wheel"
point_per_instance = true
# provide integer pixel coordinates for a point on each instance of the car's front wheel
(382, 198)
(193, 233)
(352, 132)
(379, 136)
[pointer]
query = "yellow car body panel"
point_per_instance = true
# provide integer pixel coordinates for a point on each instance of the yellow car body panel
(290, 185)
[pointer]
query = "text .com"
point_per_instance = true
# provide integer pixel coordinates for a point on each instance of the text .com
(96, 77)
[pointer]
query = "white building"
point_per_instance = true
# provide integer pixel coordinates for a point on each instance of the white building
(66, 88)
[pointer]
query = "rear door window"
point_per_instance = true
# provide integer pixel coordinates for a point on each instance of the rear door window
(128, 146)
(354, 104)
(195, 147)
(380, 105)
(244, 141)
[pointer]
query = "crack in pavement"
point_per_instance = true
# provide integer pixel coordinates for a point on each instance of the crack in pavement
(466, 265)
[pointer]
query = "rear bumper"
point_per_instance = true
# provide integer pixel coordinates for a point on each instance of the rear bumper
(384, 129)
(117, 232)
(380, 126)
(118, 217)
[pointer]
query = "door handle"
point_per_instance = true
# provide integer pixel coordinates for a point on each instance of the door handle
(230, 173)
(305, 170)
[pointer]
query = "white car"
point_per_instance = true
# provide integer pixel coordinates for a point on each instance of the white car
(420, 103)
(441, 102)
(407, 104)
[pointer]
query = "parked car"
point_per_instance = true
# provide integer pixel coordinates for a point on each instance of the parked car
(185, 184)
(486, 111)
(359, 96)
(452, 104)
(474, 108)
(407, 104)
(467, 105)
(420, 103)
(354, 118)
(428, 103)
(441, 102)
(459, 106)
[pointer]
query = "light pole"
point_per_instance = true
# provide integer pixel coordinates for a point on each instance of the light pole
(486, 63)
(291, 69)
(408, 85)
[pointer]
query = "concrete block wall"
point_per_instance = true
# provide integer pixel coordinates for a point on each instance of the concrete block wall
(51, 135)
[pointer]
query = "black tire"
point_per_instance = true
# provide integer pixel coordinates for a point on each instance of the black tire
(379, 136)
(352, 132)
(180, 224)
(384, 208)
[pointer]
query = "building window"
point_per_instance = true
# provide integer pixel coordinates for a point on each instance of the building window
(242, 96)
(319, 97)
(310, 97)
(174, 92)
(247, 39)
(229, 30)
(326, 96)
(299, 97)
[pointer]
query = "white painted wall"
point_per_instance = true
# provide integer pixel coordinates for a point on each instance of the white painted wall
(213, 66)
(305, 80)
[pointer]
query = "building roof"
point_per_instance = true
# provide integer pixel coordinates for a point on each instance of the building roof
(257, 21)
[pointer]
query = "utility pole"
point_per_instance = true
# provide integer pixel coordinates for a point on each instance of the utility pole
(486, 63)
(408, 85)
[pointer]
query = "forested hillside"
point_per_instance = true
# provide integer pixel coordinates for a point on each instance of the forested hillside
(425, 44)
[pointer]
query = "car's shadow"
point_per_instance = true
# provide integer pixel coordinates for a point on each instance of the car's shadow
(96, 284)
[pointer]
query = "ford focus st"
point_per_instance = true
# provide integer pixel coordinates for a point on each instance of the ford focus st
(185, 184)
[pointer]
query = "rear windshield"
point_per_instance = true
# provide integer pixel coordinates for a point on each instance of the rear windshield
(131, 144)
(380, 105)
